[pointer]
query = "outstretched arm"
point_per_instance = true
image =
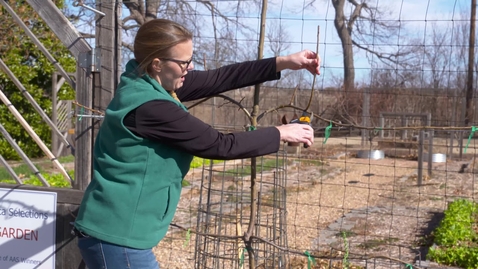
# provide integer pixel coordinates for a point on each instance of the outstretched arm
(305, 59)
(200, 84)
(165, 122)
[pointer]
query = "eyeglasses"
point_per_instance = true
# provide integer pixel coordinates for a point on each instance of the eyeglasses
(183, 64)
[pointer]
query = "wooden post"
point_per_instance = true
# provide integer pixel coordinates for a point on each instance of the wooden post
(366, 118)
(108, 49)
(108, 45)
(61, 26)
(471, 61)
(80, 49)
(431, 133)
(421, 137)
(83, 130)
(404, 124)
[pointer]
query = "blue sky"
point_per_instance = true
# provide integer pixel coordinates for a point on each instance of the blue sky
(419, 17)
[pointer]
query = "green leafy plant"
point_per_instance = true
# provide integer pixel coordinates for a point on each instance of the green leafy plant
(24, 172)
(34, 71)
(185, 183)
(455, 239)
(199, 162)
(55, 180)
(267, 165)
(22, 169)
(345, 260)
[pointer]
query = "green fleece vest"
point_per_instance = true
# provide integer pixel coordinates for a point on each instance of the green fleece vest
(136, 183)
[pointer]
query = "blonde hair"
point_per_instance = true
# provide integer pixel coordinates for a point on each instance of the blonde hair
(154, 40)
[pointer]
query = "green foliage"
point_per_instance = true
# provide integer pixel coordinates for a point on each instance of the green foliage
(19, 170)
(34, 71)
(55, 180)
(24, 172)
(199, 162)
(345, 260)
(456, 237)
(266, 165)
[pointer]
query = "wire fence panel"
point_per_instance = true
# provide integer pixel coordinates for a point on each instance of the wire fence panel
(394, 118)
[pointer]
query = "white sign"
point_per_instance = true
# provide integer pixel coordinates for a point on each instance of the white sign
(27, 229)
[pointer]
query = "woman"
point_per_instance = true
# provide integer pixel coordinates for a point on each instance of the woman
(147, 141)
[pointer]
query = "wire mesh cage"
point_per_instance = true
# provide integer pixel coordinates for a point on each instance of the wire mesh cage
(224, 214)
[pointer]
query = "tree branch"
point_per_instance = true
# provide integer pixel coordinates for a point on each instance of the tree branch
(136, 10)
(128, 46)
(226, 98)
(355, 14)
(129, 27)
(152, 7)
(392, 57)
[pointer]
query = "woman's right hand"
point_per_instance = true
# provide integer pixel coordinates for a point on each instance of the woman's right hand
(298, 133)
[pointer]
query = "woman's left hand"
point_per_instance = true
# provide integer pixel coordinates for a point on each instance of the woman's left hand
(305, 59)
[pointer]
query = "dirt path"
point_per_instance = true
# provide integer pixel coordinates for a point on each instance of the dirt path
(375, 205)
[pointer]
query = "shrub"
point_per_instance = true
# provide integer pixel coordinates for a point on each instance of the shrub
(455, 239)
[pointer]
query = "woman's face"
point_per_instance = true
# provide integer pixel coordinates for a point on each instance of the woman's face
(170, 71)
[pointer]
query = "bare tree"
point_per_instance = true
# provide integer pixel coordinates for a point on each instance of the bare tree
(436, 57)
(215, 33)
(461, 34)
(278, 43)
(368, 28)
(278, 38)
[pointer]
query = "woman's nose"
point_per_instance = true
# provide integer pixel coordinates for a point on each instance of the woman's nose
(191, 66)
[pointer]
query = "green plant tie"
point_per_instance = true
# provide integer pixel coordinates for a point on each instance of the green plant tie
(241, 260)
(252, 128)
(408, 266)
(310, 260)
(188, 237)
(376, 130)
(473, 129)
(82, 111)
(327, 132)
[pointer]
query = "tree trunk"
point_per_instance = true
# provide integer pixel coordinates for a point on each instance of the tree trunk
(346, 40)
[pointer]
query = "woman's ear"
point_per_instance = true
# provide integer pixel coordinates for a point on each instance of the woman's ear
(156, 65)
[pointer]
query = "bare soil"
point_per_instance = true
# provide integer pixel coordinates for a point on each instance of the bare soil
(373, 213)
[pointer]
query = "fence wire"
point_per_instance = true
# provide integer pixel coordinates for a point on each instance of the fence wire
(391, 152)
(394, 120)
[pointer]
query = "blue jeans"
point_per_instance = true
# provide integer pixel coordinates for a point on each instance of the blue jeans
(99, 254)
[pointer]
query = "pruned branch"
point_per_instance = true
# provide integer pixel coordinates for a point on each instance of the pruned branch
(275, 109)
(286, 249)
(228, 99)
